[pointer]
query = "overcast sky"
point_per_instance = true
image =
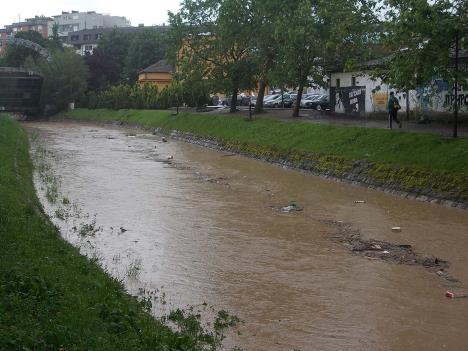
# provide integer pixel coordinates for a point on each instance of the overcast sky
(148, 12)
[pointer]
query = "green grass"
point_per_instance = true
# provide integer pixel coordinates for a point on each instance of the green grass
(50, 295)
(418, 151)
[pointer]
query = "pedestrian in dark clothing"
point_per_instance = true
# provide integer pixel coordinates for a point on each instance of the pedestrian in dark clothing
(393, 107)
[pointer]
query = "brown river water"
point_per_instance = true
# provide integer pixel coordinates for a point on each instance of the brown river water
(207, 228)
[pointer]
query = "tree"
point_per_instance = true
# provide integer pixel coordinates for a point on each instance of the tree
(423, 36)
(115, 44)
(15, 56)
(147, 47)
(65, 78)
(103, 70)
(265, 45)
(215, 35)
(318, 34)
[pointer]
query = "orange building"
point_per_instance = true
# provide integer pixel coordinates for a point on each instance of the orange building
(159, 74)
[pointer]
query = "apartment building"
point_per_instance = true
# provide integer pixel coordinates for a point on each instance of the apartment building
(42, 25)
(75, 21)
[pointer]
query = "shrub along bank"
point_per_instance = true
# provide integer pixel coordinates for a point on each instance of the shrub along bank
(50, 295)
(424, 165)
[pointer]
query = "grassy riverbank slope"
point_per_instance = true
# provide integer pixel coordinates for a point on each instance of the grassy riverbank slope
(421, 164)
(50, 295)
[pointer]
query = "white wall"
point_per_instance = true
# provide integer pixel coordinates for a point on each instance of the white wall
(436, 97)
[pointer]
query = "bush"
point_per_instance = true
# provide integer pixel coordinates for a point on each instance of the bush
(124, 96)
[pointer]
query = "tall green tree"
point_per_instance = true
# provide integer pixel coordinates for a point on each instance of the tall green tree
(215, 35)
(318, 34)
(265, 46)
(147, 47)
(423, 36)
(115, 44)
(65, 77)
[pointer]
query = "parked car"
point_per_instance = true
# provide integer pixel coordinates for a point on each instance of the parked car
(279, 100)
(307, 98)
(320, 103)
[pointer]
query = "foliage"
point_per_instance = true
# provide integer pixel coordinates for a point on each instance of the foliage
(115, 44)
(318, 34)
(131, 52)
(65, 78)
(146, 48)
(103, 69)
(15, 56)
(421, 36)
(125, 96)
(213, 37)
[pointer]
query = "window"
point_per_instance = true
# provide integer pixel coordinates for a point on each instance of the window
(353, 81)
(75, 38)
(337, 82)
(87, 37)
(88, 48)
(98, 36)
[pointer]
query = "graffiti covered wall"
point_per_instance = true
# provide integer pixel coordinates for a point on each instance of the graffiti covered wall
(438, 96)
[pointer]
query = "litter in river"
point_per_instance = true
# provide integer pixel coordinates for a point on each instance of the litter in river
(389, 252)
(292, 207)
(359, 202)
(396, 229)
(453, 295)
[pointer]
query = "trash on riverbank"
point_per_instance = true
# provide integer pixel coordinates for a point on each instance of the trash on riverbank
(164, 139)
(396, 229)
(292, 207)
(359, 202)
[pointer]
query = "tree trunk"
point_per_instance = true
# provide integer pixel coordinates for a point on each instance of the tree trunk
(234, 100)
(407, 105)
(455, 107)
(298, 101)
(260, 97)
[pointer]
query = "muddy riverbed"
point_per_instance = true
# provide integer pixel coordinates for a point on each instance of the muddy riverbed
(196, 225)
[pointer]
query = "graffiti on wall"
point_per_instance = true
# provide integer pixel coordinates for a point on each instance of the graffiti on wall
(462, 97)
(439, 97)
(349, 99)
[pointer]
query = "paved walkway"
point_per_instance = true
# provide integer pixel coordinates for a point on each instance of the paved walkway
(312, 116)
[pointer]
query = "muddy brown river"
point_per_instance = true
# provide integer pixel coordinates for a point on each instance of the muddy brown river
(205, 226)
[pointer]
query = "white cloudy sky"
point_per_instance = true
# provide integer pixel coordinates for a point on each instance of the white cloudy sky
(148, 12)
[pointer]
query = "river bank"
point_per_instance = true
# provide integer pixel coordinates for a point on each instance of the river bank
(413, 165)
(52, 297)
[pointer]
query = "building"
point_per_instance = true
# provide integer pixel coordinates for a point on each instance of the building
(3, 35)
(159, 74)
(86, 40)
(359, 92)
(76, 21)
(42, 25)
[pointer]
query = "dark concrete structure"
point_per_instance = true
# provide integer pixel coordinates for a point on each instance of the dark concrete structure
(20, 90)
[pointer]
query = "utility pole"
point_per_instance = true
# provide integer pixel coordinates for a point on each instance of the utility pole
(455, 107)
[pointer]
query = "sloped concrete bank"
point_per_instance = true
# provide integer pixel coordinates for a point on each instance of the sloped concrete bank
(434, 187)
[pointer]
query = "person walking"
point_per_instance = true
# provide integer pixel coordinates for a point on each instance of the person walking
(393, 107)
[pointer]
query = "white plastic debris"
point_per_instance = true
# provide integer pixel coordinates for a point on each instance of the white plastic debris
(396, 229)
